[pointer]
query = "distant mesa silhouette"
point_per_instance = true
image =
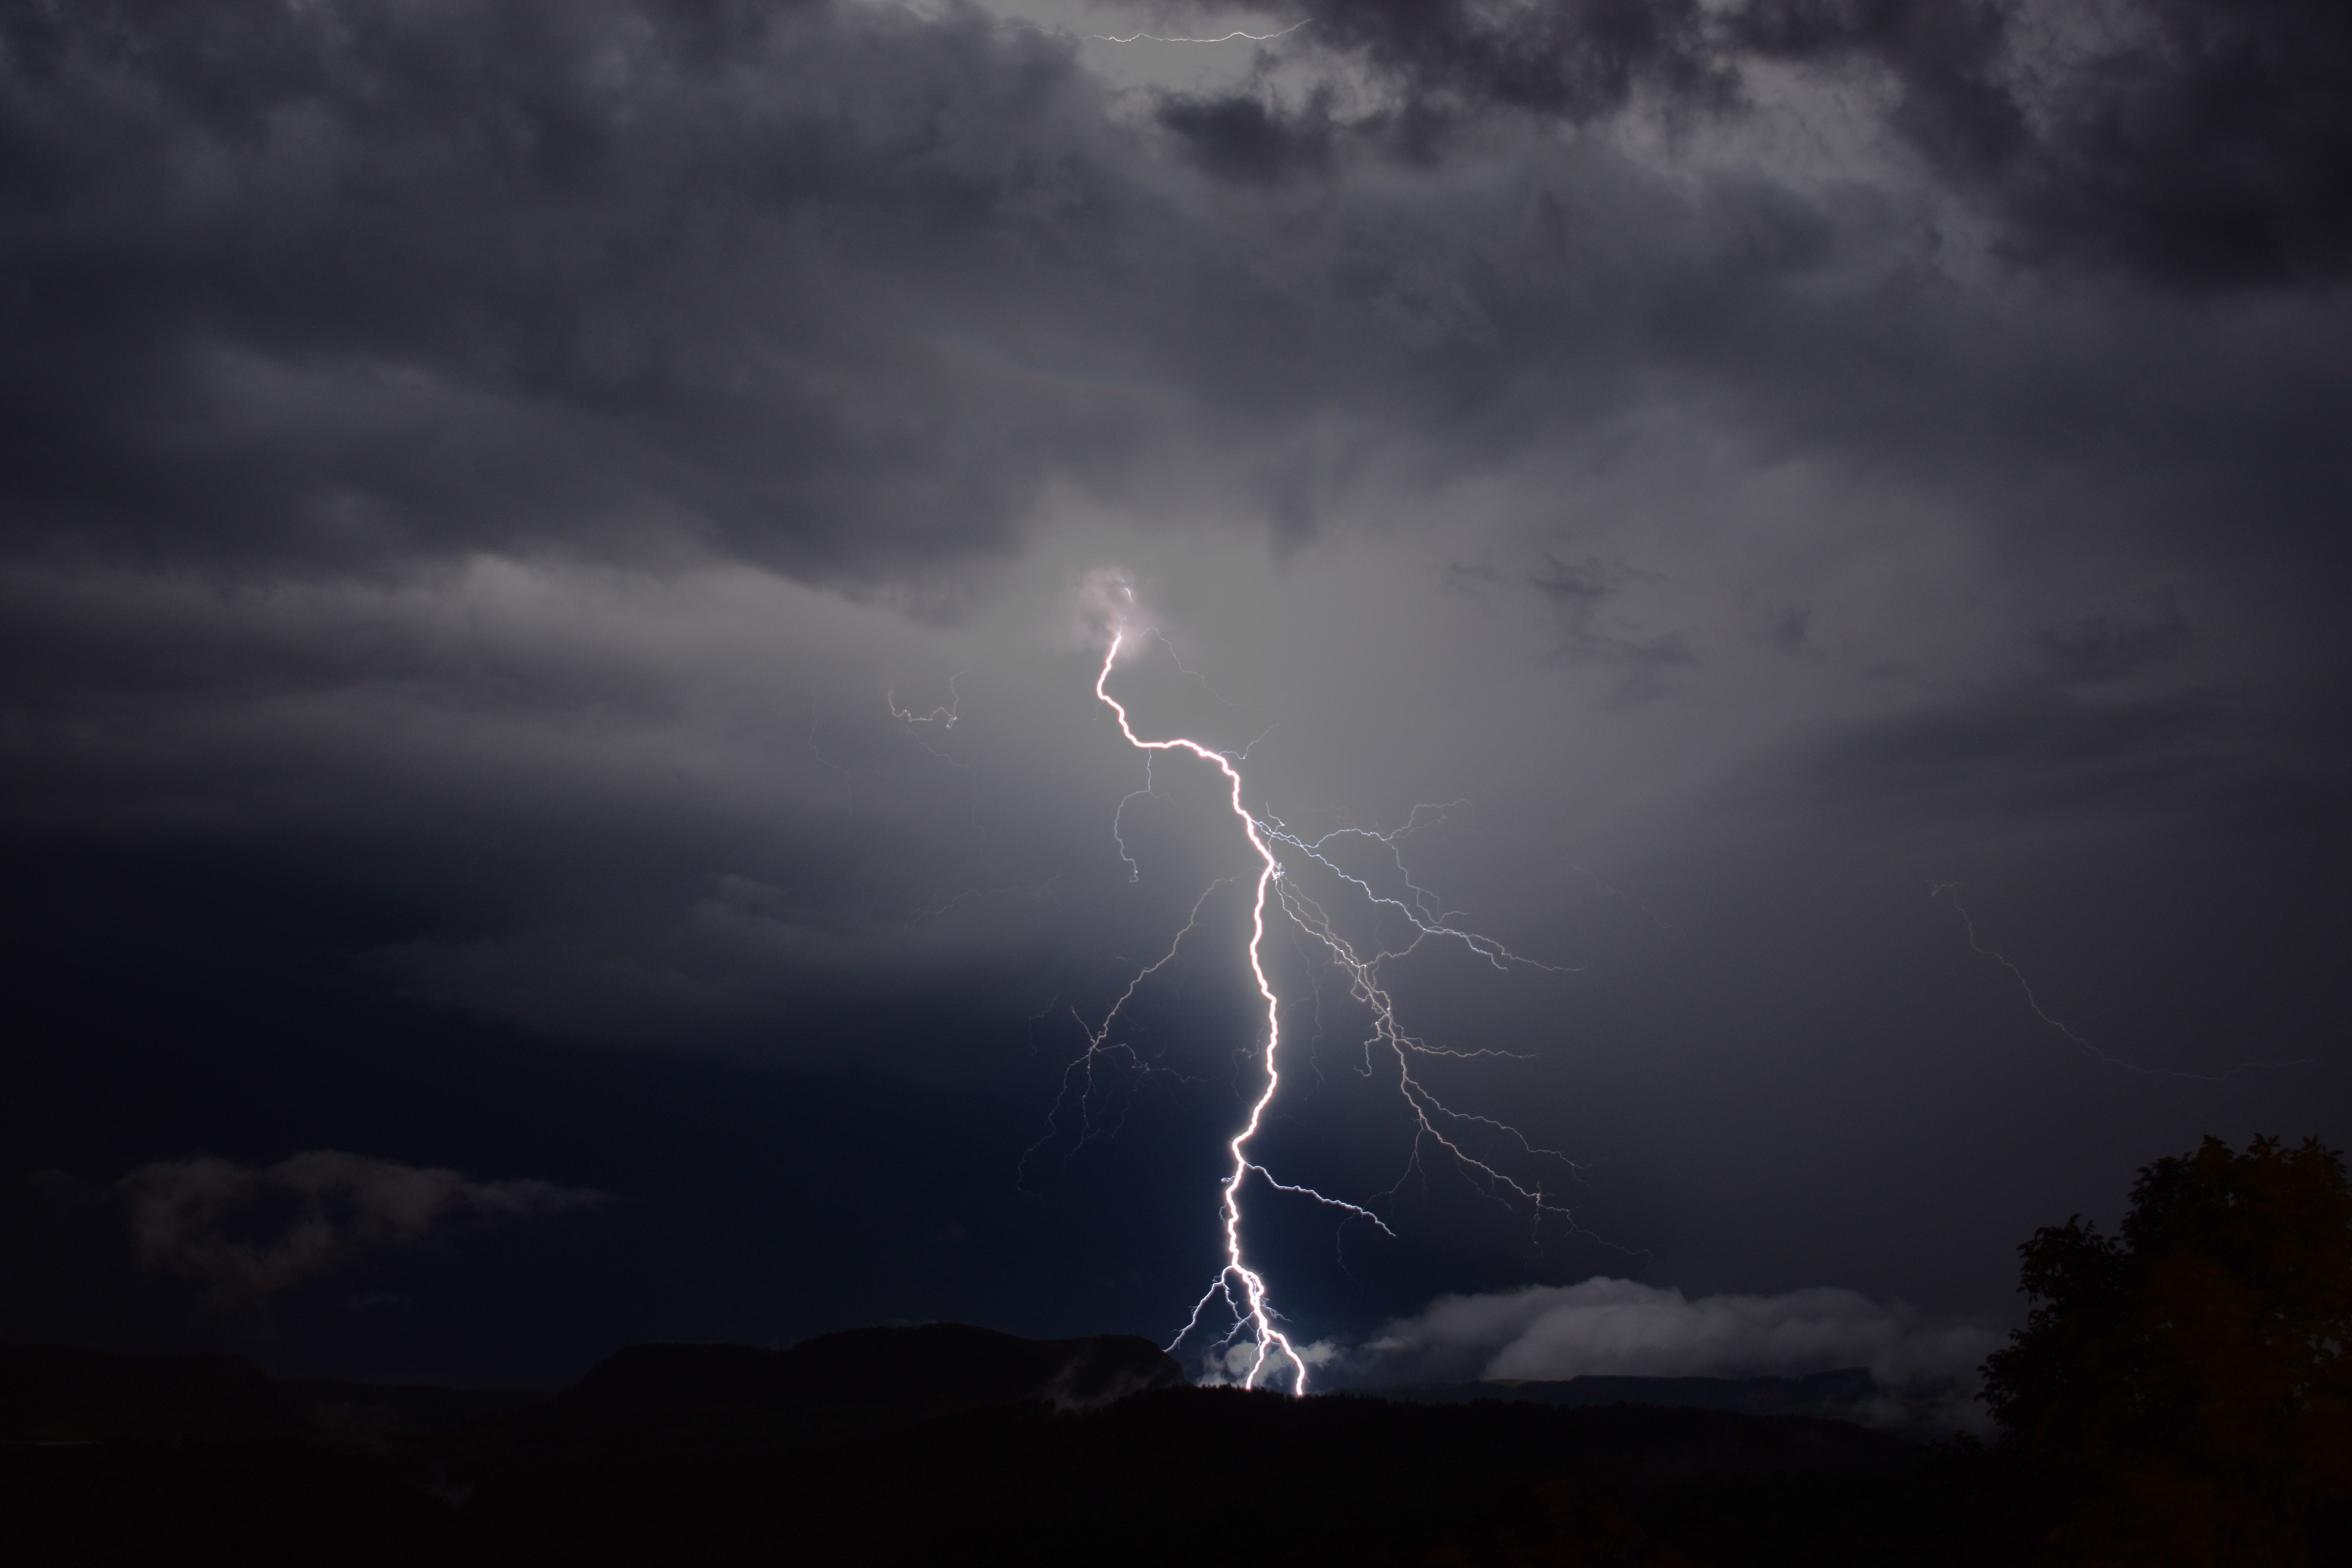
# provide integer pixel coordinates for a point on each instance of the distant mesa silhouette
(53, 1395)
(931, 1369)
(56, 1394)
(1839, 1395)
(881, 1447)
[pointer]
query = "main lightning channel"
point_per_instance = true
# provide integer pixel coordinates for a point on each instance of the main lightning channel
(1434, 1123)
(1252, 1308)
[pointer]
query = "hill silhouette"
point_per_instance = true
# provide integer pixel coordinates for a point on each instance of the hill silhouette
(1839, 1395)
(925, 1443)
(926, 1370)
(57, 1395)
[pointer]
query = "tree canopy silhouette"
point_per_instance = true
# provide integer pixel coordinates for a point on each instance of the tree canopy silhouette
(2181, 1391)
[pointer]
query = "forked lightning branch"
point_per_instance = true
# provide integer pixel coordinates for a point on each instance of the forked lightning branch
(1240, 1287)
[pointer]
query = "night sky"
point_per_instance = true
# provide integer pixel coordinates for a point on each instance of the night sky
(1785, 501)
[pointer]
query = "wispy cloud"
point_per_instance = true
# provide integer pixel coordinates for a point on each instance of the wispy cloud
(1623, 1327)
(251, 1232)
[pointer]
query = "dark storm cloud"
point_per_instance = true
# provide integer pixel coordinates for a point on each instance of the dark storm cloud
(2200, 144)
(1580, 591)
(1945, 58)
(1579, 61)
(477, 477)
(2015, 749)
(343, 284)
(1239, 137)
(2118, 642)
(2101, 728)
(250, 1233)
(850, 292)
(834, 287)
(351, 345)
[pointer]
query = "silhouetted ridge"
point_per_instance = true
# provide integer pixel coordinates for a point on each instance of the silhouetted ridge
(1839, 1395)
(56, 1393)
(108, 1457)
(1361, 1480)
(401, 1407)
(932, 1369)
(885, 1446)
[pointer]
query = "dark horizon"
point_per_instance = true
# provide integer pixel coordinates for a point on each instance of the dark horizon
(1823, 523)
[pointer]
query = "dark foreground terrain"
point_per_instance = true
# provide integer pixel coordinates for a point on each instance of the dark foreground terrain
(940, 1444)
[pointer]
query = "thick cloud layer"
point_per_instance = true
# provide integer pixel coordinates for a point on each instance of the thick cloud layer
(354, 287)
(346, 285)
(2195, 144)
(479, 481)
(2198, 144)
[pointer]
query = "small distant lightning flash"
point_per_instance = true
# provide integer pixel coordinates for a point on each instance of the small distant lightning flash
(1242, 1288)
(1967, 922)
(944, 715)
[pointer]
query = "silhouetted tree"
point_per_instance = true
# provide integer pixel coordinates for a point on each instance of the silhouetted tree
(2182, 1393)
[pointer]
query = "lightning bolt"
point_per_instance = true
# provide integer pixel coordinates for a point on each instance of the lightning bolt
(1252, 1308)
(1242, 1288)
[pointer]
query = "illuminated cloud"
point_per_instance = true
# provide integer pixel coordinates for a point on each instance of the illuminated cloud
(1621, 1327)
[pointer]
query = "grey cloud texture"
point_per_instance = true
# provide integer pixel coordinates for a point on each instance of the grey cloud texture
(1433, 66)
(2197, 143)
(859, 294)
(333, 284)
(470, 474)
(251, 1232)
(2200, 144)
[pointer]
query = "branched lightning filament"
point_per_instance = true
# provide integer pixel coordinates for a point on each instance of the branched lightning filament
(1240, 1287)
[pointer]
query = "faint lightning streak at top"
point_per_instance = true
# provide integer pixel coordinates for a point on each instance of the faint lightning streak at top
(1224, 38)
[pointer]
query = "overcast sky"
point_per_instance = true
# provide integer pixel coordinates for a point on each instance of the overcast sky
(1787, 499)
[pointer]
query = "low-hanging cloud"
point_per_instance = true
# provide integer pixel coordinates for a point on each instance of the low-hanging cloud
(249, 1233)
(1623, 1327)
